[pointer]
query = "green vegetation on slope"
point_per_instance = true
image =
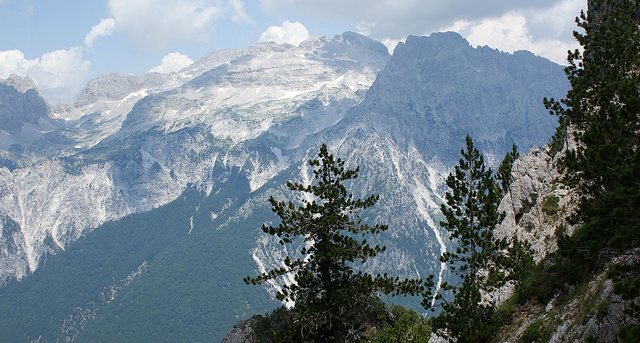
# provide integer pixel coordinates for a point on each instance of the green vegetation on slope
(382, 324)
(179, 296)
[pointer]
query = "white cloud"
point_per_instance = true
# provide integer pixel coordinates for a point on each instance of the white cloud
(59, 74)
(510, 32)
(14, 62)
(396, 19)
(546, 28)
(103, 29)
(161, 23)
(173, 61)
(291, 33)
(238, 13)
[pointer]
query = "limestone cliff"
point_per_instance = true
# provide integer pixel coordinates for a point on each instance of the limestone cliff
(536, 206)
(537, 202)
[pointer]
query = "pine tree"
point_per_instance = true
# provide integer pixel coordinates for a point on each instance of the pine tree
(602, 111)
(481, 262)
(328, 291)
(504, 170)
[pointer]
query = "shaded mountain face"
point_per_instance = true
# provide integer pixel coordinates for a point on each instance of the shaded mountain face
(27, 131)
(168, 186)
(437, 89)
(20, 104)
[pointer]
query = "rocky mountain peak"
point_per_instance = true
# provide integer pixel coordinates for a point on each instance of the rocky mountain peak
(20, 103)
(437, 41)
(117, 86)
(20, 83)
(427, 96)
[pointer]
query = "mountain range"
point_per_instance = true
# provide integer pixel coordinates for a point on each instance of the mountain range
(133, 214)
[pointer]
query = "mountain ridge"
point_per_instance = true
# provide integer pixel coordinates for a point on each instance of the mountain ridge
(218, 157)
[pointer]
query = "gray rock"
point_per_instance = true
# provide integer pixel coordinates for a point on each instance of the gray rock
(117, 86)
(241, 333)
(21, 84)
(535, 179)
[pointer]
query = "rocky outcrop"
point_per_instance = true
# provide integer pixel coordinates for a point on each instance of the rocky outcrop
(596, 313)
(537, 203)
(536, 206)
(241, 333)
(599, 313)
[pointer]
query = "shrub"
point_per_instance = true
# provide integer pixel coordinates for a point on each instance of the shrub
(550, 204)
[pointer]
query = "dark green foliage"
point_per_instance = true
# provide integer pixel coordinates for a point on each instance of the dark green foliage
(550, 204)
(626, 283)
(602, 308)
(630, 334)
(504, 170)
(402, 326)
(603, 111)
(556, 275)
(191, 290)
(482, 262)
(559, 138)
(381, 323)
(626, 280)
(328, 290)
(590, 339)
(536, 332)
(535, 286)
(278, 326)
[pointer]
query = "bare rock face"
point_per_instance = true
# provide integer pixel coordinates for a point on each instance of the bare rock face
(241, 333)
(599, 313)
(536, 206)
(537, 203)
(21, 84)
(606, 323)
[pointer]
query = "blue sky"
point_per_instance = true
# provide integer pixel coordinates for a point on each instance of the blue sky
(61, 44)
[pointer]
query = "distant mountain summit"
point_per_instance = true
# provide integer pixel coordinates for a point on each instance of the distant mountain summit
(27, 131)
(20, 104)
(437, 89)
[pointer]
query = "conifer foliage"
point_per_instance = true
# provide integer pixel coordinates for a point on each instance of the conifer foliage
(481, 261)
(328, 291)
(602, 111)
(504, 170)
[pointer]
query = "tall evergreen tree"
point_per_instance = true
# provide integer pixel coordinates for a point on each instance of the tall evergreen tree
(602, 112)
(328, 292)
(503, 174)
(482, 262)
